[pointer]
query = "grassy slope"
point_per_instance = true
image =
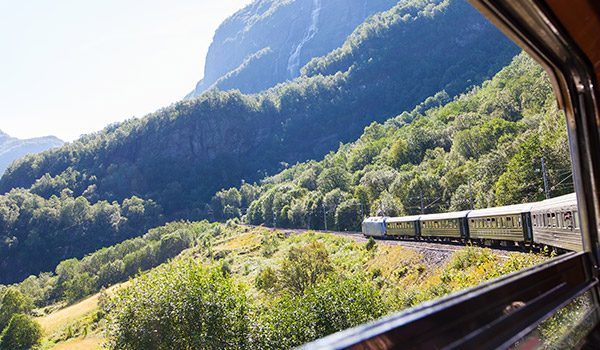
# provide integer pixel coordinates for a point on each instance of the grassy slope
(72, 319)
(402, 274)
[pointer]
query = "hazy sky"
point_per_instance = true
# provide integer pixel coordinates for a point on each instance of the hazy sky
(69, 68)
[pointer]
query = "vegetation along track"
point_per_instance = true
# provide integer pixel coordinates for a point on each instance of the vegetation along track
(435, 254)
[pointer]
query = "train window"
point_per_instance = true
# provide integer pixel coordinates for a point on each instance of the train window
(519, 221)
(575, 219)
(544, 221)
(559, 220)
(553, 218)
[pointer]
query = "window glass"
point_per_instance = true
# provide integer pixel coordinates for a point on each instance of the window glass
(559, 220)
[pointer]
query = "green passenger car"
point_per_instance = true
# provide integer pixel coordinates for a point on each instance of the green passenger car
(450, 225)
(403, 226)
(501, 224)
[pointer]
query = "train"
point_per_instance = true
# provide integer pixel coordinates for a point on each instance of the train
(553, 223)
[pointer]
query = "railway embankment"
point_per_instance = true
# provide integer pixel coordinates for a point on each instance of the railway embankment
(435, 254)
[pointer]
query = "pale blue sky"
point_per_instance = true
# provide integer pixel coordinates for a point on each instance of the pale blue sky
(69, 68)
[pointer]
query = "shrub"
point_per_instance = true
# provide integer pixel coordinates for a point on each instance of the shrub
(371, 243)
(180, 306)
(332, 305)
(21, 333)
(303, 267)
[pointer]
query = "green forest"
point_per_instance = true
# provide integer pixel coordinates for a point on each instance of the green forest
(131, 176)
(494, 136)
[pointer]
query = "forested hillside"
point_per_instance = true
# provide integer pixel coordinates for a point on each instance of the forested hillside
(268, 41)
(12, 148)
(174, 161)
(493, 136)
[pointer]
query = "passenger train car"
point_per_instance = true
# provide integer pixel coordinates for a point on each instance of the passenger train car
(552, 222)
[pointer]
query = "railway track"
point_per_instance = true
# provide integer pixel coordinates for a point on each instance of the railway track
(435, 254)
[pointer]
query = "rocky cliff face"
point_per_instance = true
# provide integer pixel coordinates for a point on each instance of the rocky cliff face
(12, 148)
(270, 40)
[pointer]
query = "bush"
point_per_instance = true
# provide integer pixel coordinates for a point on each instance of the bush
(332, 305)
(21, 333)
(180, 306)
(371, 243)
(303, 267)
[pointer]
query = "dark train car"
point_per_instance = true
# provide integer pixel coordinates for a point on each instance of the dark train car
(403, 226)
(445, 225)
(374, 226)
(501, 225)
(555, 223)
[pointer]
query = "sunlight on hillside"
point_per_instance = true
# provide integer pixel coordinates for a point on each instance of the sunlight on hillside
(91, 343)
(67, 321)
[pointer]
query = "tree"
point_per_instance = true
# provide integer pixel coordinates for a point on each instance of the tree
(332, 178)
(13, 302)
(348, 215)
(78, 287)
(303, 267)
(399, 153)
(22, 333)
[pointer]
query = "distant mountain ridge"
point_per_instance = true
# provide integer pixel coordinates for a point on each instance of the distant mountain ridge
(268, 41)
(12, 148)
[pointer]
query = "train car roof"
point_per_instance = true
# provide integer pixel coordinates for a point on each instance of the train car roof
(375, 219)
(505, 210)
(445, 216)
(403, 218)
(568, 200)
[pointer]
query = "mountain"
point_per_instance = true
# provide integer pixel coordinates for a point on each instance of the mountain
(12, 148)
(268, 41)
(487, 142)
(116, 183)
